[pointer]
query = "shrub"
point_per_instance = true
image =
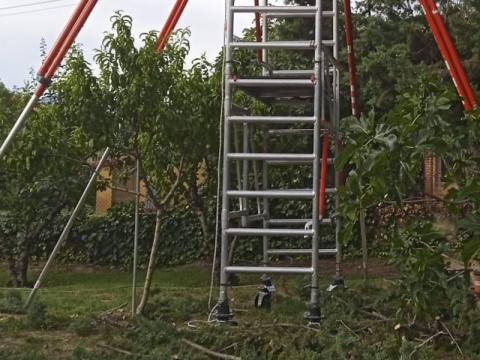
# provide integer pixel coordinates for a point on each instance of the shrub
(12, 303)
(83, 326)
(37, 316)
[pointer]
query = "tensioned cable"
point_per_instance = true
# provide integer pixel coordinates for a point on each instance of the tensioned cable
(29, 4)
(37, 11)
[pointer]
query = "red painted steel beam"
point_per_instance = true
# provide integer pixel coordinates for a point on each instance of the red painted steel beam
(61, 39)
(68, 40)
(170, 24)
(323, 175)
(258, 31)
(352, 66)
(444, 52)
(449, 54)
(50, 66)
(453, 53)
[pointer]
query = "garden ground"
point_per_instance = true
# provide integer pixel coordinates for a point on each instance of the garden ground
(88, 318)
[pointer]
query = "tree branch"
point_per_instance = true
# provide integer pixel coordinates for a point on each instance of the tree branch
(167, 197)
(208, 351)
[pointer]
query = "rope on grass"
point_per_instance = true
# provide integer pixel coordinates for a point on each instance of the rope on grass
(103, 289)
(208, 351)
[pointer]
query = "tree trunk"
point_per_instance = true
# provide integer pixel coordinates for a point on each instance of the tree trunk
(202, 219)
(151, 265)
(197, 204)
(18, 267)
(12, 269)
(22, 267)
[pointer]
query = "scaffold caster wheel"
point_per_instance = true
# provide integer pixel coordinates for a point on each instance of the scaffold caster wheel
(263, 299)
(313, 315)
(337, 283)
(223, 313)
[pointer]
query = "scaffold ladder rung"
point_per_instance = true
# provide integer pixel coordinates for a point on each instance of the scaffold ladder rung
(279, 45)
(284, 10)
(271, 157)
(273, 119)
(298, 15)
(293, 73)
(283, 83)
(269, 232)
(293, 222)
(293, 162)
(300, 252)
(273, 194)
(268, 270)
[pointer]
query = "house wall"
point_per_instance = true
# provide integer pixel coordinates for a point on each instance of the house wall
(119, 191)
(104, 198)
(433, 184)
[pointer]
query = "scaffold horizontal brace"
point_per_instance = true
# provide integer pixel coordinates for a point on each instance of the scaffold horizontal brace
(300, 252)
(281, 45)
(273, 119)
(268, 232)
(272, 194)
(268, 270)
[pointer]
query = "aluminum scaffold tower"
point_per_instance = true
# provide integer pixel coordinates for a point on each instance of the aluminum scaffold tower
(308, 108)
(315, 90)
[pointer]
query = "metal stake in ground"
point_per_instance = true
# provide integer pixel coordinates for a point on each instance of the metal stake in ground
(67, 228)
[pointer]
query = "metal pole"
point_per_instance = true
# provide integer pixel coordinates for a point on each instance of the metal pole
(246, 135)
(258, 32)
(314, 307)
(64, 43)
(18, 125)
(169, 26)
(135, 239)
(336, 106)
(431, 11)
(266, 201)
(264, 38)
(67, 228)
(256, 177)
(61, 39)
(223, 312)
(446, 54)
(363, 234)
(236, 145)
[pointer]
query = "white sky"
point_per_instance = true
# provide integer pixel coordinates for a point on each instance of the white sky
(20, 34)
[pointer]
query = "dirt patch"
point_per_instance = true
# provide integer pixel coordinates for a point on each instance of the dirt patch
(377, 268)
(58, 344)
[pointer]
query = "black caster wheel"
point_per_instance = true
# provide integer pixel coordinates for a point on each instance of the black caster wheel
(263, 301)
(337, 283)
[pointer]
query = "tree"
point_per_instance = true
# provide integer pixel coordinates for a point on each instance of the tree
(158, 112)
(42, 175)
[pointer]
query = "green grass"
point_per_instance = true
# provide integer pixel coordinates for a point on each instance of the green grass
(77, 323)
(77, 293)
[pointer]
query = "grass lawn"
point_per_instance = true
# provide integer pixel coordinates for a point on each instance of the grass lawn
(88, 317)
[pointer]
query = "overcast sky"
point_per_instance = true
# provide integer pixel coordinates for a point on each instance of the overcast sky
(21, 32)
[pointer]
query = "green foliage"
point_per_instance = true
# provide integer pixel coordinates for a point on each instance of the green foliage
(151, 333)
(108, 240)
(83, 326)
(427, 290)
(12, 303)
(385, 154)
(43, 173)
